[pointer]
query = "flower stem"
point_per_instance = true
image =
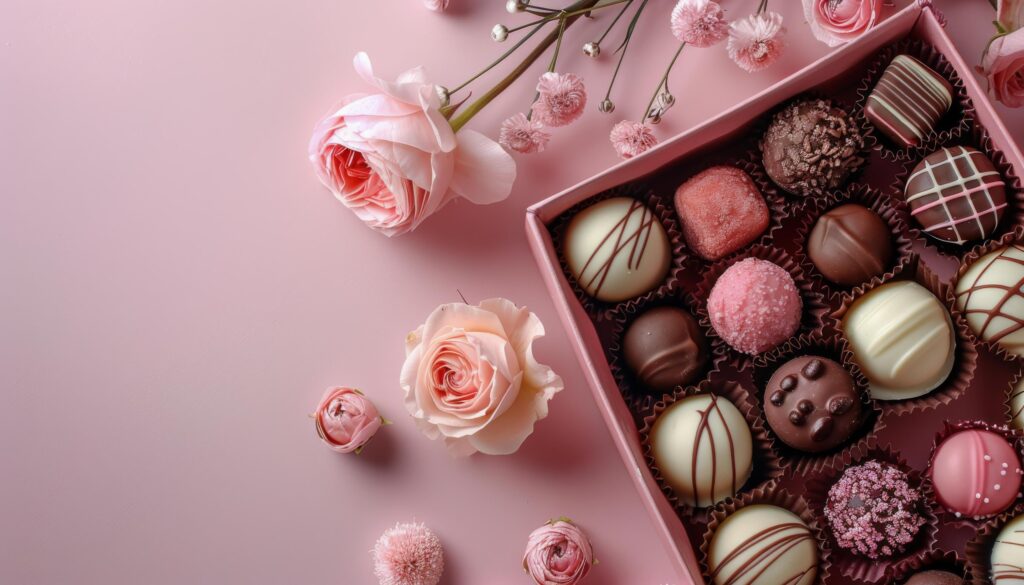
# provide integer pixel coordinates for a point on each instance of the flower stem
(617, 17)
(624, 47)
(994, 5)
(574, 11)
(664, 80)
(762, 7)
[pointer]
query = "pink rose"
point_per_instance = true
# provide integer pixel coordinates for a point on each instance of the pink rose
(835, 22)
(470, 377)
(1010, 14)
(1003, 65)
(558, 553)
(393, 159)
(346, 419)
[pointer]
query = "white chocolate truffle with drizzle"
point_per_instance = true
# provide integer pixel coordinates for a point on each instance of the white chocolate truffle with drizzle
(1008, 553)
(617, 249)
(902, 338)
(989, 294)
(703, 448)
(763, 545)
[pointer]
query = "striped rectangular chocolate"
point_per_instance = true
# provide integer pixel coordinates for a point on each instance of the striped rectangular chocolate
(908, 101)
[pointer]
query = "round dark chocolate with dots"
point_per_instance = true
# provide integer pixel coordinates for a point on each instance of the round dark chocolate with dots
(811, 404)
(812, 146)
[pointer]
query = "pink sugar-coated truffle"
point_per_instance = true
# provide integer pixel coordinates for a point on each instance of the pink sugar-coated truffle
(755, 305)
(721, 210)
(873, 510)
(976, 473)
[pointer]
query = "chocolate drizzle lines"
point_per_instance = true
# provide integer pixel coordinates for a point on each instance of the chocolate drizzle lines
(704, 428)
(637, 241)
(997, 309)
(768, 546)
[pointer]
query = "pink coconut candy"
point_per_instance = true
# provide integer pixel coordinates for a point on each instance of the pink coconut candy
(755, 306)
(721, 210)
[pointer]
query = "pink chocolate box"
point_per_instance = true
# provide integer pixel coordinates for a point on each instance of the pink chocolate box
(912, 22)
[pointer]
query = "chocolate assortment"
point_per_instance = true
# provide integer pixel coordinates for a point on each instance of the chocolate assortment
(789, 377)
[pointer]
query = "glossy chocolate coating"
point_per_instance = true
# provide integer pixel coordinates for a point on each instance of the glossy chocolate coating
(811, 404)
(956, 195)
(811, 146)
(665, 348)
(908, 101)
(850, 244)
(935, 578)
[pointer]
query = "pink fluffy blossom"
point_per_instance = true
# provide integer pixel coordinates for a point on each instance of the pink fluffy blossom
(756, 42)
(700, 23)
(632, 138)
(561, 100)
(408, 554)
(523, 135)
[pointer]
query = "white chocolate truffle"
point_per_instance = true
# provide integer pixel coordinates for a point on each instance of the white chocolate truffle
(617, 249)
(702, 445)
(1008, 553)
(1016, 403)
(903, 340)
(763, 545)
(989, 295)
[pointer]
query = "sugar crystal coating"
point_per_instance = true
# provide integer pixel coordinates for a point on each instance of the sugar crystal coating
(755, 306)
(721, 210)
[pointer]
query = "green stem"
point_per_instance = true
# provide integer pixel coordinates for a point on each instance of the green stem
(499, 60)
(995, 6)
(624, 47)
(664, 80)
(617, 17)
(551, 66)
(576, 10)
(762, 7)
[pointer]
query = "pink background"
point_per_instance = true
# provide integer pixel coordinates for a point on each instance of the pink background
(178, 290)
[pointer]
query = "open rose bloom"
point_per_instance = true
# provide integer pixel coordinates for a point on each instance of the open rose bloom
(393, 158)
(470, 377)
(835, 22)
(346, 419)
(1003, 67)
(558, 553)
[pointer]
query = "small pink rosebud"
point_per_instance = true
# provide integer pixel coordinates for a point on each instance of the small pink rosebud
(558, 553)
(346, 419)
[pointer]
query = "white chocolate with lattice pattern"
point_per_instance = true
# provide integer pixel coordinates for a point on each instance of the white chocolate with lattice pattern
(990, 297)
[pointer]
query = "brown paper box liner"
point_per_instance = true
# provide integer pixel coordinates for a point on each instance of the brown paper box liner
(934, 560)
(979, 549)
(955, 124)
(835, 348)
(872, 199)
(760, 126)
(1013, 436)
(966, 358)
(814, 307)
(1015, 237)
(636, 395)
(774, 496)
(1013, 214)
(849, 564)
(766, 464)
(597, 309)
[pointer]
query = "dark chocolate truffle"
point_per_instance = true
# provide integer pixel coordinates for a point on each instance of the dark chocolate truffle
(665, 348)
(935, 578)
(811, 146)
(850, 244)
(908, 101)
(811, 404)
(956, 195)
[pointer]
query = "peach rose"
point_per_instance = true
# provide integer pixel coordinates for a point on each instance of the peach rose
(1003, 66)
(346, 419)
(558, 553)
(835, 22)
(470, 377)
(393, 158)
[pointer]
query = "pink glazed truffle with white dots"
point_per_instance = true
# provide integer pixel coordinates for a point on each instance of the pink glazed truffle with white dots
(976, 473)
(754, 306)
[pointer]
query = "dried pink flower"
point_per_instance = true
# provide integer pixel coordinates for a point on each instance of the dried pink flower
(700, 23)
(558, 553)
(873, 510)
(521, 134)
(408, 554)
(561, 99)
(756, 42)
(632, 138)
(346, 419)
(436, 5)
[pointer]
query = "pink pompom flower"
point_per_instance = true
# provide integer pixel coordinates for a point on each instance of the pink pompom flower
(632, 138)
(408, 554)
(700, 23)
(558, 553)
(346, 419)
(755, 42)
(523, 135)
(436, 5)
(561, 99)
